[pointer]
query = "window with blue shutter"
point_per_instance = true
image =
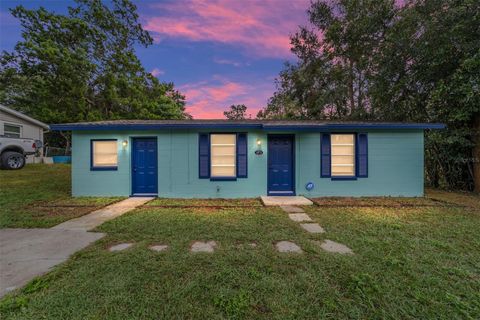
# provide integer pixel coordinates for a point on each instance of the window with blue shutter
(362, 155)
(222, 156)
(204, 156)
(242, 155)
(325, 161)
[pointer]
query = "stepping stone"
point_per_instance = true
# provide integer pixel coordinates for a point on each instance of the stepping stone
(199, 246)
(120, 247)
(287, 246)
(299, 217)
(292, 209)
(332, 246)
(158, 247)
(312, 227)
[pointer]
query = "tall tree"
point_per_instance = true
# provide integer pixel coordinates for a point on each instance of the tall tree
(366, 59)
(82, 66)
(429, 70)
(236, 112)
(335, 60)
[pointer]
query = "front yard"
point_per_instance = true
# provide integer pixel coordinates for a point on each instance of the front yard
(414, 258)
(38, 196)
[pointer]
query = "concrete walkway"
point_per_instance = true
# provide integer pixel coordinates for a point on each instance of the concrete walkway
(96, 218)
(28, 253)
(285, 201)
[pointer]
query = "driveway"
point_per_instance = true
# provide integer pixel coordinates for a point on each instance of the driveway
(27, 253)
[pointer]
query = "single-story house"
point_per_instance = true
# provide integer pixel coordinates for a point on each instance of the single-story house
(14, 124)
(246, 158)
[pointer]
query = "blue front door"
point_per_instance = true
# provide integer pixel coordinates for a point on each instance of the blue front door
(281, 174)
(144, 166)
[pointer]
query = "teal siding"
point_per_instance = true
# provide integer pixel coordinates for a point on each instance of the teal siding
(395, 167)
(177, 168)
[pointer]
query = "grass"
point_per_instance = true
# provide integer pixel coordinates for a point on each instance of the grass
(410, 262)
(39, 196)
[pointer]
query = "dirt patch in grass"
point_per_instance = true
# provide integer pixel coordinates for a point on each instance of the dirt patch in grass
(380, 202)
(166, 203)
(67, 208)
(468, 199)
(72, 212)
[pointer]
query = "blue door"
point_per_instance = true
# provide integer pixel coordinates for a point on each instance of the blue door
(144, 166)
(281, 173)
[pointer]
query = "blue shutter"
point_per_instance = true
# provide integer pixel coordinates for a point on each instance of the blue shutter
(242, 155)
(325, 156)
(362, 155)
(203, 156)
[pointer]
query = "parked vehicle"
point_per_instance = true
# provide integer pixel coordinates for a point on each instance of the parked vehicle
(14, 150)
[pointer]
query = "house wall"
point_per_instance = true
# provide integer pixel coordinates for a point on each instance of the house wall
(28, 130)
(395, 167)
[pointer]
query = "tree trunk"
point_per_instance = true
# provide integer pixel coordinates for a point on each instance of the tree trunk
(67, 141)
(351, 90)
(476, 153)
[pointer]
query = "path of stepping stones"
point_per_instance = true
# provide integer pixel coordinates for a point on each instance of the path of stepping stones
(296, 214)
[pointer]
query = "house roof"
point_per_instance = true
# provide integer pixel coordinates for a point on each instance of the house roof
(23, 116)
(266, 125)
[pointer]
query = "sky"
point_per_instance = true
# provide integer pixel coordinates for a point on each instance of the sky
(216, 52)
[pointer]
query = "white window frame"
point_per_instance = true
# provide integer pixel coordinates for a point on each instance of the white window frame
(332, 155)
(20, 133)
(96, 167)
(234, 165)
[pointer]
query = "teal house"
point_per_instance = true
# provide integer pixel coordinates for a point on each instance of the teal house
(246, 158)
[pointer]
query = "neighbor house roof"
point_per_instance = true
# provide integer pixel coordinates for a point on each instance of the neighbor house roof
(266, 125)
(23, 116)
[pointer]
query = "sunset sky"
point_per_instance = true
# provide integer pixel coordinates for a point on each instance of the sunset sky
(217, 52)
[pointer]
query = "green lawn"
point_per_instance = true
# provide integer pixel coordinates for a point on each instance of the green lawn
(38, 196)
(419, 261)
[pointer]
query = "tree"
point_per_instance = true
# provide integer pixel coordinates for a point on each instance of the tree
(82, 66)
(429, 70)
(236, 112)
(334, 71)
(375, 60)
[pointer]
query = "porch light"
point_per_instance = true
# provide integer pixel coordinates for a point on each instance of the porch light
(124, 143)
(259, 142)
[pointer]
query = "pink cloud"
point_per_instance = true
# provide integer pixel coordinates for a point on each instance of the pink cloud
(259, 27)
(157, 72)
(208, 100)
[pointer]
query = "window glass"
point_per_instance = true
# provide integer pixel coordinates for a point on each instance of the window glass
(104, 153)
(223, 155)
(343, 154)
(11, 131)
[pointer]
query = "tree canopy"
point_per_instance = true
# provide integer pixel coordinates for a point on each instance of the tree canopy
(376, 60)
(82, 66)
(236, 112)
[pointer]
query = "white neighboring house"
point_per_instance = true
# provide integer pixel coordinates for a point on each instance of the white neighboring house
(14, 124)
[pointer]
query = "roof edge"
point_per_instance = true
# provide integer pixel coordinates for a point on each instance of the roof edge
(261, 126)
(24, 117)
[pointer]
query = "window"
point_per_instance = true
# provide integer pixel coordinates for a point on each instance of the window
(343, 155)
(11, 131)
(104, 155)
(223, 155)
